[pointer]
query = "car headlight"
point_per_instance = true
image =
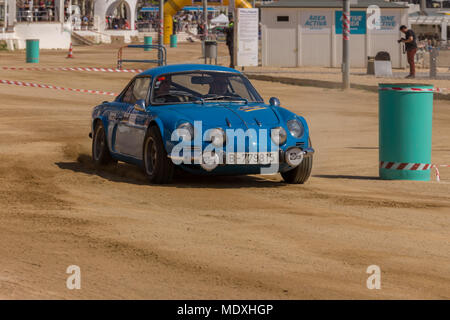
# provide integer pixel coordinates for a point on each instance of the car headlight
(185, 131)
(216, 136)
(278, 135)
(295, 128)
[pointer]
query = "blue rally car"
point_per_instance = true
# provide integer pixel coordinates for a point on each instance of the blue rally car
(203, 119)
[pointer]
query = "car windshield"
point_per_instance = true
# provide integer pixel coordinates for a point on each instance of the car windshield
(203, 87)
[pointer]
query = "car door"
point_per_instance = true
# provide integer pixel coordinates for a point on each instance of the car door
(130, 131)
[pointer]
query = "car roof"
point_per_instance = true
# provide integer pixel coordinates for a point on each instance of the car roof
(154, 72)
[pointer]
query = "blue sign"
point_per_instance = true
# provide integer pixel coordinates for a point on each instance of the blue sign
(388, 23)
(357, 22)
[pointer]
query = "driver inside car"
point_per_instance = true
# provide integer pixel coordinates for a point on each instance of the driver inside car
(219, 86)
(162, 91)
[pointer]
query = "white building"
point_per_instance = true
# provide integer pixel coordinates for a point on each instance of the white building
(54, 21)
(309, 33)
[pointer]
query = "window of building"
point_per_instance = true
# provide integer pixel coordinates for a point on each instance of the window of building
(282, 18)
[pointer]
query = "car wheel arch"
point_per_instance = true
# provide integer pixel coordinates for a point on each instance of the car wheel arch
(157, 123)
(95, 123)
(103, 121)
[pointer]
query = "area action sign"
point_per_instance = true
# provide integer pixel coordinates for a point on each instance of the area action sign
(315, 21)
(246, 37)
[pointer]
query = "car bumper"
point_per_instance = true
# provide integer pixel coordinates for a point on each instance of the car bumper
(292, 156)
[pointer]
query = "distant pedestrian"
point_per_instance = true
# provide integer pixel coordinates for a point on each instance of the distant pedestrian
(411, 49)
(174, 25)
(200, 30)
(229, 32)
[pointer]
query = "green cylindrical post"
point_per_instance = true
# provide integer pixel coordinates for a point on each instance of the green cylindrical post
(32, 50)
(148, 41)
(173, 40)
(405, 128)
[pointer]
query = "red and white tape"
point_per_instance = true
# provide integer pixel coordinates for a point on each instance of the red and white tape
(404, 166)
(413, 166)
(46, 86)
(346, 25)
(433, 90)
(438, 176)
(86, 69)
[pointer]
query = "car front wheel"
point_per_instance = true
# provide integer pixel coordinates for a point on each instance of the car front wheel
(299, 174)
(158, 167)
(100, 151)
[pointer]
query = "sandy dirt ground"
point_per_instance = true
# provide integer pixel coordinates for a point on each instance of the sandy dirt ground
(221, 237)
(357, 75)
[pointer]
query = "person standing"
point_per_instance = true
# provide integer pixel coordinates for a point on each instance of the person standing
(411, 49)
(229, 32)
(174, 24)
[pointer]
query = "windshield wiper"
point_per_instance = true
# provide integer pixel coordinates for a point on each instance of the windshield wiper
(198, 99)
(220, 97)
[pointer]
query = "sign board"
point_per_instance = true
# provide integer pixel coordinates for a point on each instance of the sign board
(246, 37)
(316, 21)
(358, 23)
(387, 23)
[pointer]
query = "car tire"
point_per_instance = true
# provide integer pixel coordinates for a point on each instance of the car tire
(100, 151)
(157, 165)
(299, 174)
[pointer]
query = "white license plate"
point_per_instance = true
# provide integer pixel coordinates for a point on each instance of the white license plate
(252, 158)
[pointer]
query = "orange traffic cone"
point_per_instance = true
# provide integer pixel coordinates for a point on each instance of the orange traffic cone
(70, 55)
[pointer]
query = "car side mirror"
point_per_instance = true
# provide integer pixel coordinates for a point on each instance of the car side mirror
(140, 105)
(274, 102)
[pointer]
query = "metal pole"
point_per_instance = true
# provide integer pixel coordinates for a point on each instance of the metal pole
(444, 25)
(161, 28)
(423, 6)
(5, 18)
(61, 11)
(231, 7)
(205, 24)
(346, 45)
(205, 17)
(69, 14)
(433, 62)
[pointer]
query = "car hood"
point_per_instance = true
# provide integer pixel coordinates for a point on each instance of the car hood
(237, 115)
